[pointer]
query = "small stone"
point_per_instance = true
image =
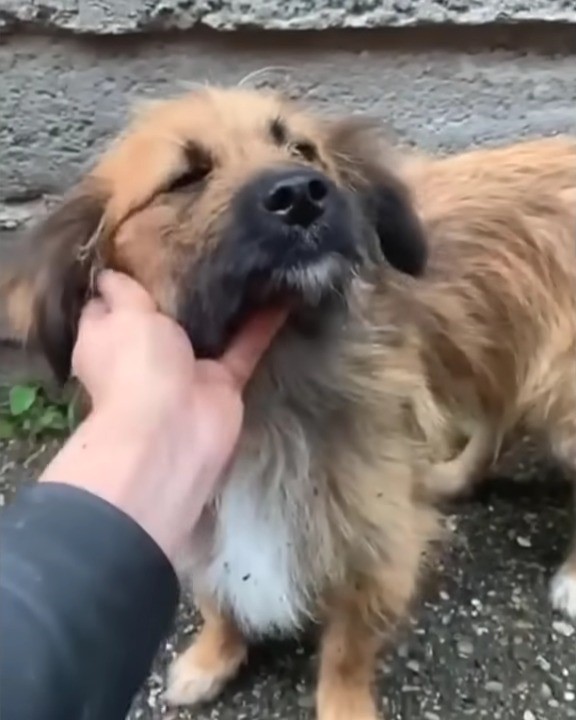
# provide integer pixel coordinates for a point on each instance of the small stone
(543, 663)
(403, 651)
(403, 6)
(431, 716)
(569, 696)
(494, 686)
(546, 691)
(413, 665)
(306, 702)
(529, 715)
(523, 541)
(563, 628)
(465, 648)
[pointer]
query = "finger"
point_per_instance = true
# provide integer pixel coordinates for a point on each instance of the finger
(121, 292)
(251, 343)
(94, 310)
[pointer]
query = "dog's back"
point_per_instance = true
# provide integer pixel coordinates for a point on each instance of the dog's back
(498, 303)
(496, 311)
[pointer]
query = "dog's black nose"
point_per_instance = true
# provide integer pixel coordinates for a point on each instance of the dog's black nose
(297, 197)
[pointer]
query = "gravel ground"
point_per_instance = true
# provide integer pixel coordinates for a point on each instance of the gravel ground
(483, 642)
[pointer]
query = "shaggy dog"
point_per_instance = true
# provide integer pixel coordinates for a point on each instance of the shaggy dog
(432, 310)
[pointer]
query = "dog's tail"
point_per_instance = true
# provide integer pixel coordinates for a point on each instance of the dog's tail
(453, 477)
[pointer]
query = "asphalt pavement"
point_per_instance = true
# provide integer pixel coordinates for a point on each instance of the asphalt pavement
(482, 642)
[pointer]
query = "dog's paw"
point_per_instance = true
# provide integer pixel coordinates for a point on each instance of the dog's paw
(347, 713)
(190, 685)
(346, 704)
(563, 592)
(191, 680)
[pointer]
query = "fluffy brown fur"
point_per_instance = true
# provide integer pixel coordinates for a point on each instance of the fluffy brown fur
(328, 503)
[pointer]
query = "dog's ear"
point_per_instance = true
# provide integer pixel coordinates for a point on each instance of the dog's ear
(49, 282)
(360, 157)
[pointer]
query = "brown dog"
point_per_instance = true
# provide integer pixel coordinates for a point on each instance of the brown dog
(225, 200)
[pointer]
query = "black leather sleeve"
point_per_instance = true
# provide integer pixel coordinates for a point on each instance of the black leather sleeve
(86, 597)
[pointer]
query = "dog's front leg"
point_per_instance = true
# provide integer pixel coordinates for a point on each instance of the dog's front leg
(347, 662)
(214, 657)
(358, 620)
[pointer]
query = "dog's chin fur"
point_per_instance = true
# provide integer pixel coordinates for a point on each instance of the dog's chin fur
(357, 415)
(277, 502)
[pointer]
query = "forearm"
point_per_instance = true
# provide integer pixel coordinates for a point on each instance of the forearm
(87, 597)
(131, 466)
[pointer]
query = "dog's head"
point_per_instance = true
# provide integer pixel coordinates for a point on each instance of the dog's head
(218, 202)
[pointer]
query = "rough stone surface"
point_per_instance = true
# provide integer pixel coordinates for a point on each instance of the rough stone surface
(126, 16)
(483, 643)
(62, 98)
(17, 366)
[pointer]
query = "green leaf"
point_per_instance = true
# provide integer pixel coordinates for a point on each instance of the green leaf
(72, 415)
(53, 419)
(7, 429)
(22, 398)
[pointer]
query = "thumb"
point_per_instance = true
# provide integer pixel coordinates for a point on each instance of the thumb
(250, 344)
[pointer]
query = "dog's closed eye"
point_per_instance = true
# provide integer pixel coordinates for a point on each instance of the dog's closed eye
(305, 150)
(302, 149)
(189, 178)
(199, 167)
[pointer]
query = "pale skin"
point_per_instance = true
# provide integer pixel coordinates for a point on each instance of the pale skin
(163, 425)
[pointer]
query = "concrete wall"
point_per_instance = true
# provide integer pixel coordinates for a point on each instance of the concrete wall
(442, 73)
(124, 16)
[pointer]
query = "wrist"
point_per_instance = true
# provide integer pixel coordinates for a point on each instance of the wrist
(142, 414)
(147, 466)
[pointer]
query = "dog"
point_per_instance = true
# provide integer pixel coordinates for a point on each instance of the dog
(432, 309)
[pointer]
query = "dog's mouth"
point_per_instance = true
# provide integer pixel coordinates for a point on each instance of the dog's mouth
(303, 282)
(307, 271)
(304, 265)
(307, 283)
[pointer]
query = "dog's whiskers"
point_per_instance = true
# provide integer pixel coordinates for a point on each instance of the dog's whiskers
(192, 84)
(255, 74)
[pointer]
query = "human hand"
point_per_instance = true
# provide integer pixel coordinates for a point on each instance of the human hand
(172, 421)
(132, 358)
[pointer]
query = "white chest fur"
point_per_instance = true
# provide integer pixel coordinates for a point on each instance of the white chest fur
(253, 570)
(252, 565)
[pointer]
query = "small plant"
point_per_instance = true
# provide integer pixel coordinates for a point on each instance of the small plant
(32, 410)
